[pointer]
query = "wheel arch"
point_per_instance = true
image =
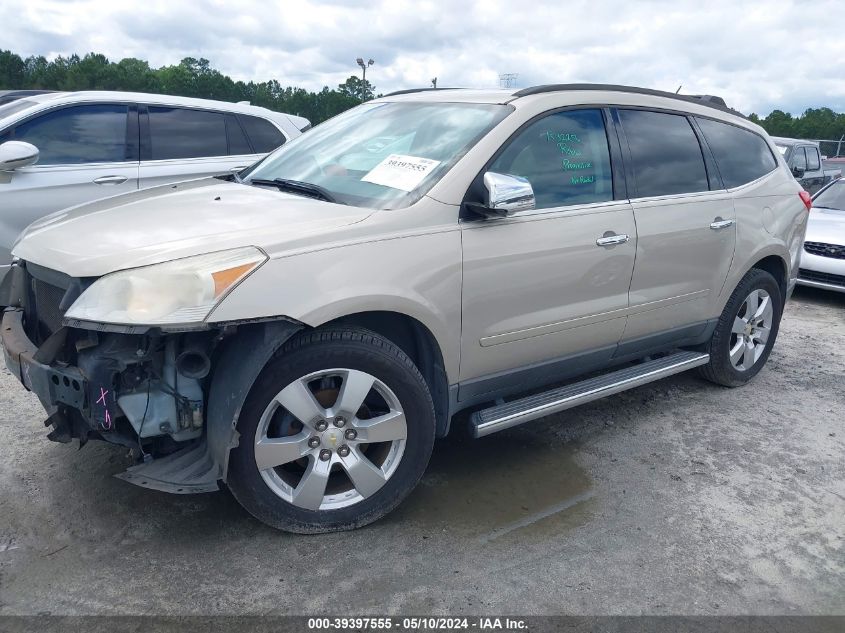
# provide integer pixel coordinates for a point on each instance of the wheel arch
(242, 357)
(237, 363)
(777, 267)
(773, 259)
(414, 338)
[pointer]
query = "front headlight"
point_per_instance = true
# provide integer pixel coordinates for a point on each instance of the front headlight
(182, 291)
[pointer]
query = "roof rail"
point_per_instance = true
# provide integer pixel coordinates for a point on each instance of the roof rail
(710, 99)
(413, 90)
(706, 100)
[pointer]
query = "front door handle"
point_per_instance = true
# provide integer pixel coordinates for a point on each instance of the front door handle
(610, 240)
(719, 223)
(110, 180)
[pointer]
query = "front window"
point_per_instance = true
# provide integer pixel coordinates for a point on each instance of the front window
(564, 156)
(93, 133)
(833, 197)
(381, 155)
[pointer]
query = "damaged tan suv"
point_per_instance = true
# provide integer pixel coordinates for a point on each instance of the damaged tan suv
(304, 330)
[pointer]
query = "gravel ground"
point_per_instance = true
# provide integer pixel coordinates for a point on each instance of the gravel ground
(679, 497)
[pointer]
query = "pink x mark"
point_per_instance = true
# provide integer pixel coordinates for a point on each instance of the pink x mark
(102, 398)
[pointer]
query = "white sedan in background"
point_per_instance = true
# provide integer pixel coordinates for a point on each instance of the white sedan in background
(823, 259)
(61, 149)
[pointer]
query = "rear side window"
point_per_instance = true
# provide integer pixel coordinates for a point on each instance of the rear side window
(237, 140)
(264, 135)
(564, 156)
(813, 159)
(799, 159)
(741, 155)
(78, 134)
(186, 133)
(666, 154)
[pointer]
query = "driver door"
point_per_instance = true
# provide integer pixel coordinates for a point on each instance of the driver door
(541, 298)
(86, 152)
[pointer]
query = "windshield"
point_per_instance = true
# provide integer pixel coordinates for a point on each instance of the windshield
(381, 155)
(833, 197)
(17, 105)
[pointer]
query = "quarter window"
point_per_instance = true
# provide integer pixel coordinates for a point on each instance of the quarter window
(741, 155)
(564, 156)
(665, 152)
(78, 134)
(264, 135)
(186, 133)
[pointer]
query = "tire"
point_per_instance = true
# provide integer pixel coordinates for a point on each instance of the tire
(733, 362)
(335, 365)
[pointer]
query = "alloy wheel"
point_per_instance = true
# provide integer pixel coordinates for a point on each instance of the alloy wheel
(751, 329)
(330, 439)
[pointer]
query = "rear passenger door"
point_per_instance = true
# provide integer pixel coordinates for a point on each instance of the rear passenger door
(182, 143)
(686, 232)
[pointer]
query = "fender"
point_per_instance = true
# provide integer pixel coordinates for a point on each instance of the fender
(237, 368)
(778, 250)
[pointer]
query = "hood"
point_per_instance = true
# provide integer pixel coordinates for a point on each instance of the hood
(826, 225)
(172, 221)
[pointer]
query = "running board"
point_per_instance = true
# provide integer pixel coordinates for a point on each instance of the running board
(516, 412)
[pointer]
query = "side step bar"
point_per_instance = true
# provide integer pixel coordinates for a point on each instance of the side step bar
(516, 412)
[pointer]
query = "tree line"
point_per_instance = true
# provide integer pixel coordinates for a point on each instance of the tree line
(196, 78)
(189, 78)
(814, 123)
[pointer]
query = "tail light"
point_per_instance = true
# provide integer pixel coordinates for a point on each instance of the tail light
(806, 199)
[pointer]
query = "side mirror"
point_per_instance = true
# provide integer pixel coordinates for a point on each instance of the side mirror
(506, 195)
(16, 154)
(797, 172)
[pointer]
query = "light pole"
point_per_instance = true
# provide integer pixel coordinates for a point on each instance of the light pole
(364, 92)
(364, 66)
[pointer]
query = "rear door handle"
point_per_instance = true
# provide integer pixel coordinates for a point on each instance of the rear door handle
(110, 180)
(610, 240)
(718, 223)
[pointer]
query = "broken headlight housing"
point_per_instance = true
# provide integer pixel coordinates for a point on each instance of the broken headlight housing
(181, 291)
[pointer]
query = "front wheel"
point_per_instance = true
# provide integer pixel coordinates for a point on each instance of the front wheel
(335, 433)
(746, 331)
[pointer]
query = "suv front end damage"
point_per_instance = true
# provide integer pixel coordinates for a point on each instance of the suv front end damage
(144, 388)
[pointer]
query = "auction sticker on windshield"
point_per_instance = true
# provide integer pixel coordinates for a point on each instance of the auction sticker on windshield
(401, 172)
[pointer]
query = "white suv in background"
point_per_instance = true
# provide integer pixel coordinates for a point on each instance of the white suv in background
(91, 145)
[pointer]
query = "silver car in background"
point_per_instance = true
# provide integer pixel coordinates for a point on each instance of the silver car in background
(91, 145)
(823, 259)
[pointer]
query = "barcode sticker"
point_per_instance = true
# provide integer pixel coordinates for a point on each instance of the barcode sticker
(401, 172)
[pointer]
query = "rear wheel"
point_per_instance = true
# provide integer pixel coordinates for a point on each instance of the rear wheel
(746, 330)
(335, 433)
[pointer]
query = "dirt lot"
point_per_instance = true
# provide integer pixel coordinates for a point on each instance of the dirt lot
(677, 497)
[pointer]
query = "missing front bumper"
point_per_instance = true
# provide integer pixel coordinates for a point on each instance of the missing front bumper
(53, 385)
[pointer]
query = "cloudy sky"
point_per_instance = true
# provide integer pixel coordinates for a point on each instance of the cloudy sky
(758, 55)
